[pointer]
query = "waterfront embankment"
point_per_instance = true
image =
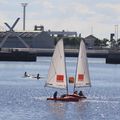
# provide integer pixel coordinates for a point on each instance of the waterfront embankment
(94, 53)
(100, 53)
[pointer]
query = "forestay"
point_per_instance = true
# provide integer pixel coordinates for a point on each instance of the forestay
(57, 73)
(82, 74)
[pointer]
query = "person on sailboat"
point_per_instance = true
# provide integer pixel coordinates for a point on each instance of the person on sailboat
(55, 94)
(75, 93)
(81, 94)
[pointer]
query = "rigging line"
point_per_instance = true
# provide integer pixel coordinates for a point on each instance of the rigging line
(65, 68)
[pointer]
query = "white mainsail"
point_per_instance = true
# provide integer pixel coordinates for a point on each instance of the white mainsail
(82, 74)
(57, 70)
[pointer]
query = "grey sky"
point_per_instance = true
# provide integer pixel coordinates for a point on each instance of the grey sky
(68, 15)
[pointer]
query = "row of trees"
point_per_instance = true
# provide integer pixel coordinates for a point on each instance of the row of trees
(69, 42)
(73, 42)
(105, 42)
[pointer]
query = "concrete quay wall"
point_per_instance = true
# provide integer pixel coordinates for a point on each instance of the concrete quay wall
(68, 52)
(71, 52)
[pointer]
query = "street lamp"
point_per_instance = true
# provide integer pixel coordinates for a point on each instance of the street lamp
(24, 14)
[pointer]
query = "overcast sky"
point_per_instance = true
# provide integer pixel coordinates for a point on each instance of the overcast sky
(97, 17)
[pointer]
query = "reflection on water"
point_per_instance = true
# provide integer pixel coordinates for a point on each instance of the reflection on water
(25, 98)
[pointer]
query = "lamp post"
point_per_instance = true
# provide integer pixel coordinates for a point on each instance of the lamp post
(24, 14)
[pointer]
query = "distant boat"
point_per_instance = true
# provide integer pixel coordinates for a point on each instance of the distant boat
(57, 77)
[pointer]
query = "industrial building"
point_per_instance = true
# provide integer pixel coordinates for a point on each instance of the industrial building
(36, 39)
(26, 39)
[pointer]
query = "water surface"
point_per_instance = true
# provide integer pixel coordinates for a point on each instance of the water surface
(25, 98)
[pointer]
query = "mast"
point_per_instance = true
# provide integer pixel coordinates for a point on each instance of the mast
(65, 68)
(76, 68)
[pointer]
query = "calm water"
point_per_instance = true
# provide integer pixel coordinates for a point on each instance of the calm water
(25, 98)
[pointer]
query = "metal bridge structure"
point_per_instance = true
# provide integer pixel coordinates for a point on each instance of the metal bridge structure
(10, 32)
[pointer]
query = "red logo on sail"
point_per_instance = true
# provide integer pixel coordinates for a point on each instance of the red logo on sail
(60, 78)
(80, 77)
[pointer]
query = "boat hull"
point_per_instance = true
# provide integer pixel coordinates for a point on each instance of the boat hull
(64, 99)
(79, 97)
(68, 98)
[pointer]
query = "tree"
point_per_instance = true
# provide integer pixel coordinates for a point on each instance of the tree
(97, 42)
(105, 42)
(118, 42)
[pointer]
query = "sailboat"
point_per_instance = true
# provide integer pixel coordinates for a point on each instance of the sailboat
(57, 77)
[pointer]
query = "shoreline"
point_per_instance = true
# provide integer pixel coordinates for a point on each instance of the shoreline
(98, 53)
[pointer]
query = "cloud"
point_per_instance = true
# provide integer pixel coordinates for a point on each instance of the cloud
(74, 16)
(81, 8)
(45, 4)
(4, 1)
(63, 8)
(114, 7)
(70, 15)
(110, 11)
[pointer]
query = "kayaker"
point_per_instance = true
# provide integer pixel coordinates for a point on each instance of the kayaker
(38, 76)
(25, 74)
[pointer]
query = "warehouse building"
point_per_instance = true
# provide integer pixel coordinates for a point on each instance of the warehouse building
(13, 39)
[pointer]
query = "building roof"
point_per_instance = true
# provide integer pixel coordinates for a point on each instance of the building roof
(36, 33)
(20, 34)
(64, 33)
(91, 36)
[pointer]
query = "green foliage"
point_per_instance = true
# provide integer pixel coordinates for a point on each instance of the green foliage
(105, 42)
(97, 42)
(101, 43)
(73, 42)
(118, 42)
(69, 42)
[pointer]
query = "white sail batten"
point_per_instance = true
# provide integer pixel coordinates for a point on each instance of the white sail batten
(57, 73)
(82, 74)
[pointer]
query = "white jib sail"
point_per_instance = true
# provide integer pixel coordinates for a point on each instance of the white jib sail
(82, 75)
(57, 72)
